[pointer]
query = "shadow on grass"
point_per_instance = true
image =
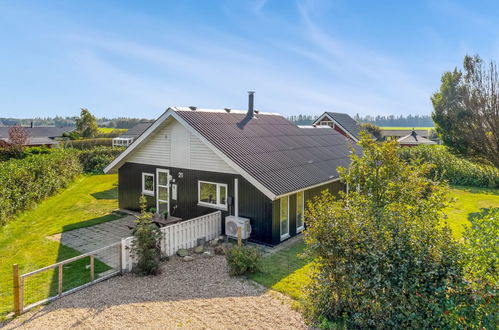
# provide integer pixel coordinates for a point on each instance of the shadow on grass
(94, 221)
(476, 190)
(106, 194)
(477, 215)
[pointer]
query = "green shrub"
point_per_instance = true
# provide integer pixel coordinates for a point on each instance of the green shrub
(451, 168)
(145, 246)
(96, 159)
(7, 153)
(24, 182)
(88, 143)
(243, 260)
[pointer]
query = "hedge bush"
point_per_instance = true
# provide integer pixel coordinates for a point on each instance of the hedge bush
(243, 260)
(88, 143)
(24, 182)
(96, 159)
(449, 167)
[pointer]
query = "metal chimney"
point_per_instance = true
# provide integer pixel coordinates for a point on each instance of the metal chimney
(251, 103)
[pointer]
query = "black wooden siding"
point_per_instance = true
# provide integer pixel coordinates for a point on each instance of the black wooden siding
(262, 212)
(252, 203)
(333, 187)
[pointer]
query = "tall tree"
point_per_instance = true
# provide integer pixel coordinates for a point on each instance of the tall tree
(466, 110)
(86, 124)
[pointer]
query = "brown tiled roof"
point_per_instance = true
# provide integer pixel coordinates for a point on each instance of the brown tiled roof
(278, 154)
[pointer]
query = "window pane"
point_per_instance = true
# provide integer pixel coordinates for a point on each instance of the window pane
(223, 195)
(148, 183)
(299, 209)
(208, 193)
(163, 193)
(284, 216)
(163, 178)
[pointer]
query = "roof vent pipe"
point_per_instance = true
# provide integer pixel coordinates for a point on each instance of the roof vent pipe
(251, 103)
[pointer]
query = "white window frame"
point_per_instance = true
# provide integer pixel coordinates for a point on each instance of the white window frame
(283, 236)
(218, 205)
(329, 123)
(144, 191)
(300, 229)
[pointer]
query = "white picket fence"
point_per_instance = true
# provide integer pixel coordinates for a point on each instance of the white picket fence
(182, 235)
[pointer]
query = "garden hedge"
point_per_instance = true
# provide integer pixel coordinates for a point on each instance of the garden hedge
(24, 182)
(88, 143)
(452, 168)
(96, 159)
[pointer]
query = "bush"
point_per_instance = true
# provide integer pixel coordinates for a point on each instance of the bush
(243, 260)
(382, 257)
(24, 182)
(96, 159)
(145, 246)
(449, 167)
(88, 143)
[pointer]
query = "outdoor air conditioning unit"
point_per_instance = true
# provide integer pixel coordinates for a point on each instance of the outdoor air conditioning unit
(231, 224)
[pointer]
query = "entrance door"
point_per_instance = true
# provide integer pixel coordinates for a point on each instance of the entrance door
(162, 191)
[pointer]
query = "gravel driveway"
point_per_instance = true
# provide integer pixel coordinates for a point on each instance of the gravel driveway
(191, 295)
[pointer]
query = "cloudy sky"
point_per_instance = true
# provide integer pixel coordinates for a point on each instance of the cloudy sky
(136, 58)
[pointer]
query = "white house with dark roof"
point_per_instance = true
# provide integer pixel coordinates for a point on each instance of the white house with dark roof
(249, 164)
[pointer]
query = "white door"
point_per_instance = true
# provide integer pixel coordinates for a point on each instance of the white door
(162, 191)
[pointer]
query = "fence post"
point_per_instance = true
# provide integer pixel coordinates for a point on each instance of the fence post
(17, 289)
(92, 272)
(59, 289)
(239, 236)
(120, 255)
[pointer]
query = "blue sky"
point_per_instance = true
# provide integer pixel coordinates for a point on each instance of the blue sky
(136, 58)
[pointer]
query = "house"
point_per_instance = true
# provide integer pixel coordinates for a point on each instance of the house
(341, 122)
(129, 136)
(250, 164)
(414, 139)
(395, 134)
(38, 135)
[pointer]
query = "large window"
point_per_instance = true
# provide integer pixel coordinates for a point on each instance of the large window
(284, 217)
(148, 184)
(212, 194)
(300, 208)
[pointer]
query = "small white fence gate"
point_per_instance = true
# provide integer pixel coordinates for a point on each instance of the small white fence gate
(182, 235)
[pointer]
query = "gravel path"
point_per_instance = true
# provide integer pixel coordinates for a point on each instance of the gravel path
(191, 295)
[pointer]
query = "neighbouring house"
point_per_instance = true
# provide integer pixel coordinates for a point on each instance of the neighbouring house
(414, 139)
(248, 164)
(395, 134)
(341, 122)
(38, 135)
(125, 139)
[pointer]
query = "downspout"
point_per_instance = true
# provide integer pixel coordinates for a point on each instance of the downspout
(236, 197)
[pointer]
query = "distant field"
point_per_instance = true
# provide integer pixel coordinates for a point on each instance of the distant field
(107, 130)
(407, 128)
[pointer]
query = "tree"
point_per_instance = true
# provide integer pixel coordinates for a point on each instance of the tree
(466, 110)
(373, 130)
(86, 124)
(382, 257)
(18, 138)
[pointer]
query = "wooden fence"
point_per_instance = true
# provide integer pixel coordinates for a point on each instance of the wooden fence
(182, 235)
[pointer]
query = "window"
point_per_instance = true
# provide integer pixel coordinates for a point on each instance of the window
(300, 208)
(212, 194)
(326, 123)
(284, 217)
(148, 184)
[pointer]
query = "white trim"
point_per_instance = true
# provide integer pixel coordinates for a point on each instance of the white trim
(167, 186)
(283, 236)
(325, 114)
(144, 191)
(300, 229)
(218, 205)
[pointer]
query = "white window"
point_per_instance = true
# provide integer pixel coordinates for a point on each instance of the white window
(212, 194)
(326, 123)
(284, 217)
(148, 184)
(300, 211)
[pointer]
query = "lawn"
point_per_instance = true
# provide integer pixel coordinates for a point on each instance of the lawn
(88, 201)
(285, 271)
(406, 128)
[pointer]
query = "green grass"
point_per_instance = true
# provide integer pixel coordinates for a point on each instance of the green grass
(88, 201)
(108, 130)
(287, 272)
(406, 128)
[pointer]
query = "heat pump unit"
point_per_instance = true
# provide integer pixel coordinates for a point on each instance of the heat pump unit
(231, 224)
